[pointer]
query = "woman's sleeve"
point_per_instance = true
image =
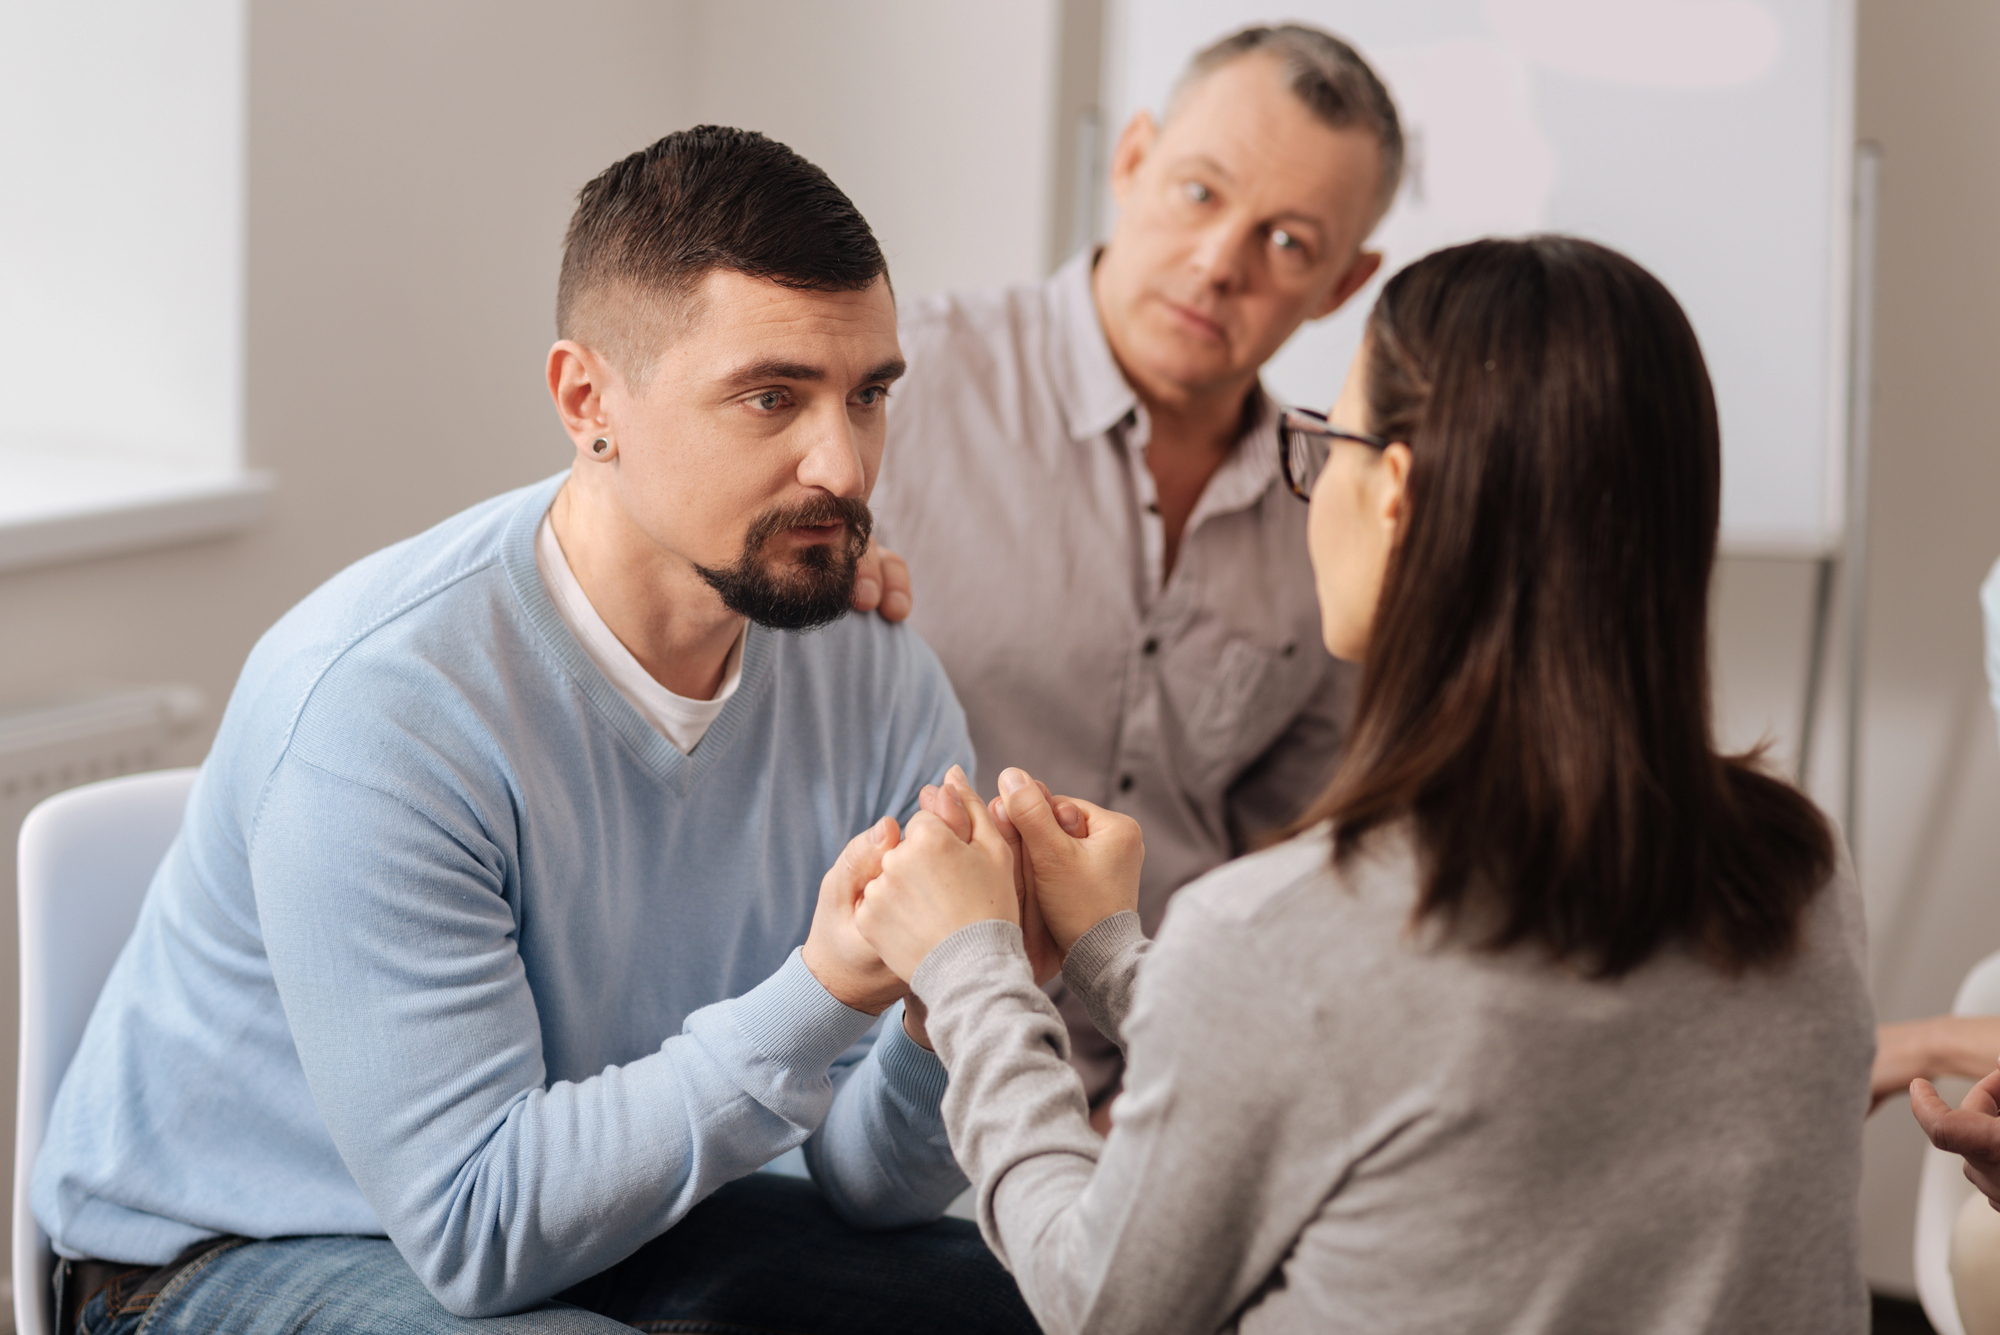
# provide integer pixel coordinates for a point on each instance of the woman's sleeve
(1102, 968)
(1175, 1221)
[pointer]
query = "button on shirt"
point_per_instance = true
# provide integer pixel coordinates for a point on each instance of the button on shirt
(1202, 702)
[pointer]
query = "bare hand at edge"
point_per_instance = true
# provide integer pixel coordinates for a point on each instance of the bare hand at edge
(1972, 1131)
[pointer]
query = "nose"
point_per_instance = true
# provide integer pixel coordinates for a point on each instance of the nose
(1221, 258)
(833, 459)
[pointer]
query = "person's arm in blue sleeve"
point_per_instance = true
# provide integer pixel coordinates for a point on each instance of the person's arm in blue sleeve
(392, 940)
(882, 1159)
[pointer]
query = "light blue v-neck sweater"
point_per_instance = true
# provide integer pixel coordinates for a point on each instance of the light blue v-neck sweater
(455, 947)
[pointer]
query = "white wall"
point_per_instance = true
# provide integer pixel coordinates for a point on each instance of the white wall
(934, 117)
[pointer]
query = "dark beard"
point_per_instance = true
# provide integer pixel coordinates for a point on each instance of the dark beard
(813, 590)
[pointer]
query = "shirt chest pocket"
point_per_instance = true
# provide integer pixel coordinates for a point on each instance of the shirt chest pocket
(1248, 694)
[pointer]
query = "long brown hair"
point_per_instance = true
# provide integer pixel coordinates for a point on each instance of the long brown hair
(1535, 697)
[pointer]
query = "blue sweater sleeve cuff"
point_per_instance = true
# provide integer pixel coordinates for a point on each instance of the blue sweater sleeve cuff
(912, 1071)
(792, 1020)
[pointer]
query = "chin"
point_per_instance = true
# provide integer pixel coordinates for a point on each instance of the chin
(1180, 360)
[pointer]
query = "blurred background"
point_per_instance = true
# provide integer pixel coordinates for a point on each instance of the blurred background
(373, 355)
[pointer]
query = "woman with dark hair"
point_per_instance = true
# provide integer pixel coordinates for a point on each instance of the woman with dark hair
(1548, 1017)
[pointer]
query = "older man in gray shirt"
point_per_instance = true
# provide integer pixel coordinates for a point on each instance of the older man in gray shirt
(1083, 475)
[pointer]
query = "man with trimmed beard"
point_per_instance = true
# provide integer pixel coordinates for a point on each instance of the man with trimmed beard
(488, 967)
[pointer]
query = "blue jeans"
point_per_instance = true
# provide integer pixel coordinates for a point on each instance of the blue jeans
(762, 1256)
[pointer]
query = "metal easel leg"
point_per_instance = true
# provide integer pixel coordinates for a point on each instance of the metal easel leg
(1816, 654)
(1854, 557)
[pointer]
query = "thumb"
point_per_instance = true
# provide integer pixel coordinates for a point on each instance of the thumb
(1067, 814)
(1028, 808)
(861, 860)
(1927, 1106)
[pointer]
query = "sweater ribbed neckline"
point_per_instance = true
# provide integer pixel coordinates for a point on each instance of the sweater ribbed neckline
(677, 770)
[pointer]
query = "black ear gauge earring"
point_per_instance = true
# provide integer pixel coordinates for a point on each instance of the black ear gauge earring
(600, 445)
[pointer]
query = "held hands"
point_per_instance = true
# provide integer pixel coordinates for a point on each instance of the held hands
(951, 804)
(1972, 1130)
(1055, 866)
(934, 882)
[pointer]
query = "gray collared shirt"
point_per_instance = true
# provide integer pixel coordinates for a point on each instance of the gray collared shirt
(1202, 703)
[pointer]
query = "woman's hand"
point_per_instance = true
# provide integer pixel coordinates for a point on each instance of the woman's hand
(934, 883)
(950, 805)
(1077, 879)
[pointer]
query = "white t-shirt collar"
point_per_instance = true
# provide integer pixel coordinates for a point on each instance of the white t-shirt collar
(680, 720)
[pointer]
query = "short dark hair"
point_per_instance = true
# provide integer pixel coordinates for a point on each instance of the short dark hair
(1326, 74)
(1535, 697)
(649, 228)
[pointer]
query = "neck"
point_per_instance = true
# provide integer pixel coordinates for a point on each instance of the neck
(655, 602)
(1191, 428)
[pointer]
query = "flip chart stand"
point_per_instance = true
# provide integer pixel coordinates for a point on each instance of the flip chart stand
(1851, 560)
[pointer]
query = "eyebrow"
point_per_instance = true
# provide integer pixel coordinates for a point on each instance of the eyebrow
(777, 368)
(1208, 164)
(772, 368)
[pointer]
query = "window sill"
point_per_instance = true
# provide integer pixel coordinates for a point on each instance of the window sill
(68, 507)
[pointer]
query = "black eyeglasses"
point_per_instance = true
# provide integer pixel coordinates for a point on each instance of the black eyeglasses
(1305, 438)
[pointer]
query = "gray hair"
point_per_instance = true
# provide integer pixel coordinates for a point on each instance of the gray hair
(1326, 74)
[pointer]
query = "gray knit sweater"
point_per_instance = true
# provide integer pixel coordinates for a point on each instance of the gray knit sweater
(1334, 1123)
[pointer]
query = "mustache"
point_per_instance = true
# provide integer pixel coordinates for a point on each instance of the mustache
(821, 509)
(811, 587)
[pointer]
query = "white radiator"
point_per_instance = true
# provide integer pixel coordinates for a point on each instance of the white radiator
(58, 744)
(46, 747)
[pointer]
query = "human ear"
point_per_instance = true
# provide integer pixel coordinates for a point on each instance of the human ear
(1392, 485)
(1363, 268)
(577, 380)
(1134, 142)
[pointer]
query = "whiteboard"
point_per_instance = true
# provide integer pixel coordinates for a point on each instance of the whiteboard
(1711, 140)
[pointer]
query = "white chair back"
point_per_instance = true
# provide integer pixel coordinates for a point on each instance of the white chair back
(1942, 1189)
(87, 856)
